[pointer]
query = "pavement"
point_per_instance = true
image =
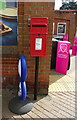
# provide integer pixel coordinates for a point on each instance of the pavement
(60, 82)
(60, 102)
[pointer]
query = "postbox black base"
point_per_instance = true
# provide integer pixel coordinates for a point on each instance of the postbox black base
(20, 107)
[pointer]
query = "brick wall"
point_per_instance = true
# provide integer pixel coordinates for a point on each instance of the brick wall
(76, 19)
(9, 72)
(69, 18)
(9, 65)
(35, 9)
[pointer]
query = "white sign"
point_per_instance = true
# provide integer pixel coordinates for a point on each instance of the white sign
(38, 44)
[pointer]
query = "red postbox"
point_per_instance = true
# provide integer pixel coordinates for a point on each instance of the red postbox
(38, 36)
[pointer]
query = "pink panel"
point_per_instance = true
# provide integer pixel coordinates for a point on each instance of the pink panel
(74, 47)
(62, 58)
(65, 37)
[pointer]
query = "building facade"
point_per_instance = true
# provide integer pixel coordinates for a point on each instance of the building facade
(10, 54)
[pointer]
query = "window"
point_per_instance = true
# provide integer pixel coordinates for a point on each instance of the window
(61, 28)
(11, 4)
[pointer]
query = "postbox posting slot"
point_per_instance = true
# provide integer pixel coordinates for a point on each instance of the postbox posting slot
(39, 28)
(39, 25)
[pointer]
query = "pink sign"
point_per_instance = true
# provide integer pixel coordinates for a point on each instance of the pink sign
(62, 58)
(74, 47)
(65, 37)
